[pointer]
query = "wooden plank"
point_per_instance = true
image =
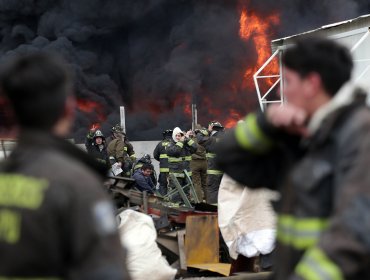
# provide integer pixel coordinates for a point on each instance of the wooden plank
(181, 242)
(202, 239)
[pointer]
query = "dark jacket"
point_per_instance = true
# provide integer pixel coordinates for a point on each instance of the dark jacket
(99, 152)
(323, 232)
(55, 219)
(179, 156)
(210, 144)
(139, 163)
(143, 183)
(160, 154)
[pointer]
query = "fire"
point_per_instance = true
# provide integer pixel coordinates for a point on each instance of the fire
(91, 107)
(234, 117)
(183, 100)
(257, 28)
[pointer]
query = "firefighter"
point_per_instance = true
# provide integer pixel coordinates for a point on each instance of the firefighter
(214, 175)
(120, 150)
(160, 154)
(96, 146)
(315, 150)
(198, 165)
(56, 222)
(177, 150)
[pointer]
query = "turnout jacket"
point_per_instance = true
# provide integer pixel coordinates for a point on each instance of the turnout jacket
(160, 154)
(99, 152)
(209, 142)
(123, 152)
(323, 229)
(179, 156)
(56, 222)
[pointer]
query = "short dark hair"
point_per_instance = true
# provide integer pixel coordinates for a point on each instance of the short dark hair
(37, 86)
(147, 166)
(333, 62)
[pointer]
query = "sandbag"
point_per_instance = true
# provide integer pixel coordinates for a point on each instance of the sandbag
(246, 219)
(144, 258)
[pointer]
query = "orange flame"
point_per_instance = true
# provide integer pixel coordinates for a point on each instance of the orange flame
(89, 107)
(257, 28)
(184, 100)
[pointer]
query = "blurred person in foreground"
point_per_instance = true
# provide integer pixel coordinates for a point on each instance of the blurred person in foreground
(56, 222)
(316, 151)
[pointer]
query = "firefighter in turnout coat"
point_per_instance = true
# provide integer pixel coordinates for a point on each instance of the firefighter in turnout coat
(316, 150)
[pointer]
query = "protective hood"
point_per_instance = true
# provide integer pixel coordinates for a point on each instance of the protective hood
(176, 130)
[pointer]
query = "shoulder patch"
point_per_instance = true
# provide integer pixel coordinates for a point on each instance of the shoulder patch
(104, 219)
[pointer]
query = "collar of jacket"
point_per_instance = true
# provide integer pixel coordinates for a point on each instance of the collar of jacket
(333, 113)
(344, 97)
(45, 140)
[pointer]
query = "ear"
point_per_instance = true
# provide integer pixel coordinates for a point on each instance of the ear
(312, 85)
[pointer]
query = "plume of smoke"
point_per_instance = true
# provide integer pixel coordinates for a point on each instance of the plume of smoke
(144, 53)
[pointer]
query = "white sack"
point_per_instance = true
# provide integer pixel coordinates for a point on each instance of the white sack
(246, 218)
(144, 258)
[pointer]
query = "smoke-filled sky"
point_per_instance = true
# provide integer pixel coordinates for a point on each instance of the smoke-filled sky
(155, 56)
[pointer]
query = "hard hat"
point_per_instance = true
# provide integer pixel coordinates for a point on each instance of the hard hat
(98, 133)
(117, 128)
(167, 132)
(216, 124)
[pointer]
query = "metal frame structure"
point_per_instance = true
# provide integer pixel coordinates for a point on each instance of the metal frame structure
(263, 98)
(278, 51)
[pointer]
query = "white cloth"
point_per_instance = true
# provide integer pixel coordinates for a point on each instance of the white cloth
(176, 130)
(144, 258)
(246, 218)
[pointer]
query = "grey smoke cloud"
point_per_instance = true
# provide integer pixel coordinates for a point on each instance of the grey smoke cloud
(144, 53)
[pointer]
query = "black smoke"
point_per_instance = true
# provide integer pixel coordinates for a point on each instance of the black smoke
(145, 53)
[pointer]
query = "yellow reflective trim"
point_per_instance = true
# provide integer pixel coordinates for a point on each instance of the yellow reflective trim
(210, 155)
(214, 172)
(250, 136)
(301, 233)
(163, 156)
(164, 170)
(316, 265)
(179, 175)
(174, 159)
(188, 158)
(180, 144)
(137, 166)
(125, 149)
(190, 142)
(164, 144)
(22, 191)
(10, 226)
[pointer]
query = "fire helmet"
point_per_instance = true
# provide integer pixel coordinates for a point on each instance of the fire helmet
(98, 133)
(167, 132)
(216, 125)
(117, 129)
